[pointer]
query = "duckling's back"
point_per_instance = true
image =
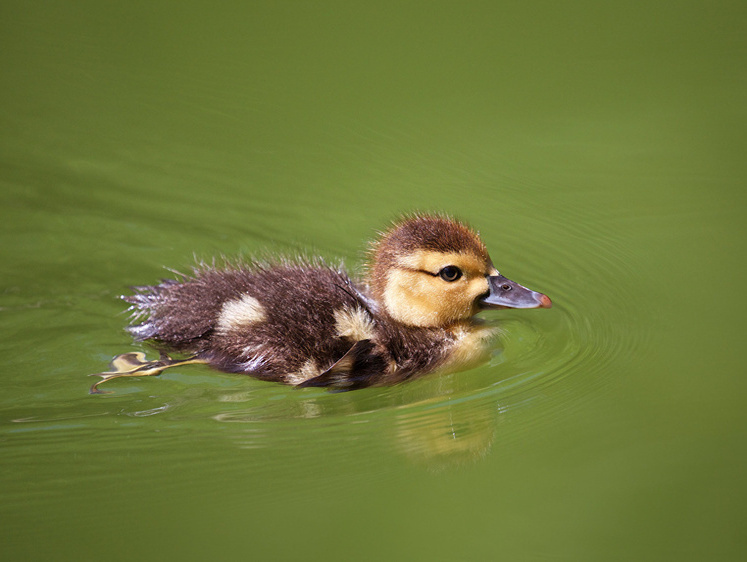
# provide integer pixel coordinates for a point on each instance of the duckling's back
(288, 323)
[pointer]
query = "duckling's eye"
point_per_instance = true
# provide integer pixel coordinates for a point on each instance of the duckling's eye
(450, 273)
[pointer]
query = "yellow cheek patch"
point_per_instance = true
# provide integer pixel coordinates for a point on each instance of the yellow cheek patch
(416, 298)
(408, 300)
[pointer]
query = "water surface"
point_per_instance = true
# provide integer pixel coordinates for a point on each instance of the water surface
(598, 149)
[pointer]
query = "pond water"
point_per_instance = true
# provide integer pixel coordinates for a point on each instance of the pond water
(598, 148)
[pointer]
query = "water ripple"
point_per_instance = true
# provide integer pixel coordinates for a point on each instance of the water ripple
(548, 362)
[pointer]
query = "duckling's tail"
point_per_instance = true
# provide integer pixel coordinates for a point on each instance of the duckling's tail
(179, 313)
(145, 304)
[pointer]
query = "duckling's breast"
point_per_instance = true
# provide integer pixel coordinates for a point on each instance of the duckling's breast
(471, 345)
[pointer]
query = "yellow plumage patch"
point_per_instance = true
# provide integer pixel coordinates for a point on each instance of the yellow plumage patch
(471, 345)
(355, 324)
(239, 313)
(308, 370)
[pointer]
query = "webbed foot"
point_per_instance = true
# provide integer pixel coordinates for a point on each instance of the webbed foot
(133, 364)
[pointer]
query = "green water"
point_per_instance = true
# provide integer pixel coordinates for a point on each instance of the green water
(600, 150)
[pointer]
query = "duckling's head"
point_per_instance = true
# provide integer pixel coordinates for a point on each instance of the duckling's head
(431, 270)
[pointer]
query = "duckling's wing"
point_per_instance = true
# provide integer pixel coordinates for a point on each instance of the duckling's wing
(361, 365)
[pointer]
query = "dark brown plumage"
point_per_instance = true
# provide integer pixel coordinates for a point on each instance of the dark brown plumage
(308, 324)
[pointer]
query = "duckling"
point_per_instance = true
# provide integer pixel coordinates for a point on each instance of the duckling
(307, 324)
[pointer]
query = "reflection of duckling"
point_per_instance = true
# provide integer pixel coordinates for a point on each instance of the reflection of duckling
(307, 324)
(439, 435)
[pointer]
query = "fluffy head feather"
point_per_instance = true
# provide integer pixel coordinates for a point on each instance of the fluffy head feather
(406, 263)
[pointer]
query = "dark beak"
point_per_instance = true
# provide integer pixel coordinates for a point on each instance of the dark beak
(505, 293)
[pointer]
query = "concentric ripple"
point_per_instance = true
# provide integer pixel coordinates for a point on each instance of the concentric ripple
(545, 363)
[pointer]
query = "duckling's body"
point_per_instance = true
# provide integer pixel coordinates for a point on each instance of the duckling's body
(307, 324)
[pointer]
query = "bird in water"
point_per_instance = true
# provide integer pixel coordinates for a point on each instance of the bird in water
(307, 324)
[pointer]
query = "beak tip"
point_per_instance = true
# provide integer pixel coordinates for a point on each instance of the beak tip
(545, 302)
